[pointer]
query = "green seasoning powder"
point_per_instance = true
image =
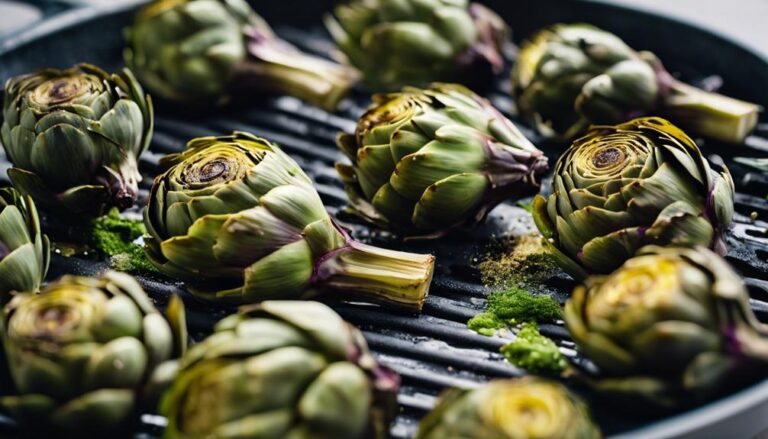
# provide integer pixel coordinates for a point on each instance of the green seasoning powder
(516, 261)
(115, 237)
(514, 306)
(535, 352)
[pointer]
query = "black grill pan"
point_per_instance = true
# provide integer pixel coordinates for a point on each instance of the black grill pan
(435, 350)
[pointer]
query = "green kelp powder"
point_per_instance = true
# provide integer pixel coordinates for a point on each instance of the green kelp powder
(116, 237)
(514, 261)
(514, 306)
(535, 352)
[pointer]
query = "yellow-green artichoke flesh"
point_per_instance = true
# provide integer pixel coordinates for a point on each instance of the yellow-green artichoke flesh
(531, 408)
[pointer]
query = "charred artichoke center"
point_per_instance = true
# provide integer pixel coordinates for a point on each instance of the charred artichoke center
(62, 90)
(53, 320)
(607, 157)
(211, 171)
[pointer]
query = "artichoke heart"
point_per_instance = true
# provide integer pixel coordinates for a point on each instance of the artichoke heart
(427, 161)
(531, 408)
(569, 76)
(204, 51)
(621, 187)
(670, 328)
(239, 220)
(281, 369)
(74, 137)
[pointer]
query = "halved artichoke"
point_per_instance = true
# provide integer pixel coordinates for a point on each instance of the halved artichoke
(530, 408)
(622, 187)
(74, 137)
(568, 76)
(414, 42)
(427, 161)
(207, 51)
(80, 352)
(277, 370)
(672, 327)
(237, 218)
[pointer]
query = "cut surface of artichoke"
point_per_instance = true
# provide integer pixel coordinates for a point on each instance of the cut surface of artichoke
(527, 407)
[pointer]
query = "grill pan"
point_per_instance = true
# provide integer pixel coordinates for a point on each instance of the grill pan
(435, 350)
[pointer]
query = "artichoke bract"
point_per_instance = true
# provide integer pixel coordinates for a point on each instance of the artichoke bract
(414, 42)
(80, 351)
(622, 187)
(427, 161)
(203, 51)
(570, 75)
(239, 220)
(74, 137)
(672, 326)
(25, 252)
(281, 369)
(530, 408)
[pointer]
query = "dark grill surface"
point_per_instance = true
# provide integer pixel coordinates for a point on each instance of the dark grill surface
(433, 350)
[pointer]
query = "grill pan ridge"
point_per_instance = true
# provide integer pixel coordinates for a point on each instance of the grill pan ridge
(433, 350)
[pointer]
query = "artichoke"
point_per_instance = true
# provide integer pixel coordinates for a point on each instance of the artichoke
(281, 369)
(74, 137)
(621, 187)
(671, 326)
(413, 42)
(427, 161)
(24, 250)
(237, 218)
(570, 75)
(80, 351)
(524, 408)
(204, 51)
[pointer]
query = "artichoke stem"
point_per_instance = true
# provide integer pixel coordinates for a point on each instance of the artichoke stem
(710, 114)
(387, 277)
(274, 66)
